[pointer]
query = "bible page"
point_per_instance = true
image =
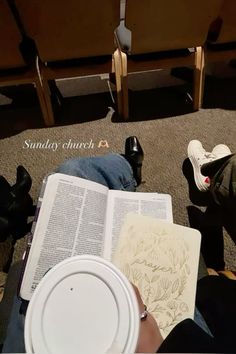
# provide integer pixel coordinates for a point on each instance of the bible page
(70, 222)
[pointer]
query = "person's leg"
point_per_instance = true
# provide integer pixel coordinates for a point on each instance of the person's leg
(212, 245)
(222, 174)
(111, 170)
(199, 157)
(215, 299)
(216, 172)
(209, 223)
(14, 342)
(200, 321)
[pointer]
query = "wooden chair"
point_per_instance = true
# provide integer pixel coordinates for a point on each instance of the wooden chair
(74, 38)
(222, 37)
(13, 68)
(162, 31)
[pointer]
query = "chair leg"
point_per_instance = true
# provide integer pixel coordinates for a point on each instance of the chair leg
(116, 66)
(199, 73)
(42, 102)
(124, 86)
(47, 96)
(113, 65)
(44, 90)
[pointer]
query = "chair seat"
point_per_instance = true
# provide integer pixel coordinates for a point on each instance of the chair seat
(160, 60)
(77, 67)
(79, 62)
(13, 71)
(162, 55)
(221, 46)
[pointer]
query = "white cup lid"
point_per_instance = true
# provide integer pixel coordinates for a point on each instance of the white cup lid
(82, 305)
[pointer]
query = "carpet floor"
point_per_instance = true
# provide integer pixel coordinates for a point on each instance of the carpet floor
(164, 142)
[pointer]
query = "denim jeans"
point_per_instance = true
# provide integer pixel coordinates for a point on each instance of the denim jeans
(111, 170)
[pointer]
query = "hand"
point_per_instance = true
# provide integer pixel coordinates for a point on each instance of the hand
(150, 337)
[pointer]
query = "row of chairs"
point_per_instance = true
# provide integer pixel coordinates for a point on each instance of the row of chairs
(78, 38)
(175, 33)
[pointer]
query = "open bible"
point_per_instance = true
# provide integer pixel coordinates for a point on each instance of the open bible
(76, 216)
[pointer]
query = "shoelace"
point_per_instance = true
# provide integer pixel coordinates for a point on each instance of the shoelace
(208, 157)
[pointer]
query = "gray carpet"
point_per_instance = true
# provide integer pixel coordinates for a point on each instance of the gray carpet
(164, 142)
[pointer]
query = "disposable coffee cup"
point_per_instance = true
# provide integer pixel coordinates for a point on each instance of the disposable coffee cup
(83, 305)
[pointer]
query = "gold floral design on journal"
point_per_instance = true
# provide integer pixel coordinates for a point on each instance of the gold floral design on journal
(160, 267)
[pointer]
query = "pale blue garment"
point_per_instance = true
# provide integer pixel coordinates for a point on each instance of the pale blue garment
(111, 170)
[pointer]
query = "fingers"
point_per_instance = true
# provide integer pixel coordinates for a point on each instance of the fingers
(138, 296)
(150, 337)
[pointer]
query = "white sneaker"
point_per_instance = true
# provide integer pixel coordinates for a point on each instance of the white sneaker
(221, 150)
(198, 157)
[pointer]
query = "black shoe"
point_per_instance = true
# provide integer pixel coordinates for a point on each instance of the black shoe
(23, 182)
(134, 155)
(15, 205)
(4, 229)
(21, 203)
(5, 193)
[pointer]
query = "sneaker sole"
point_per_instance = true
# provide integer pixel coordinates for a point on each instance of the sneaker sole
(196, 171)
